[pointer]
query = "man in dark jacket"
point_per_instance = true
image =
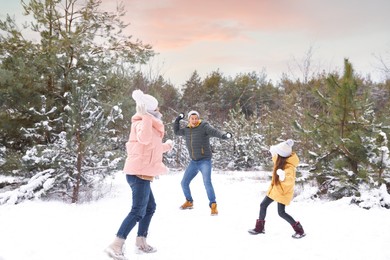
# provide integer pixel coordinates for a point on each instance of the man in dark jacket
(197, 135)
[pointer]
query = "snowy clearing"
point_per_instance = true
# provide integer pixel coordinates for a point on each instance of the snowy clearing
(38, 230)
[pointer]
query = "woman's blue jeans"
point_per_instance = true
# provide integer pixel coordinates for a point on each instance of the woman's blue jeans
(142, 209)
(204, 166)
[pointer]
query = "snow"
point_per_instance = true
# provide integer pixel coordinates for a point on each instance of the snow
(39, 230)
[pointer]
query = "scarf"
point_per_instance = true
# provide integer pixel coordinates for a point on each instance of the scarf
(156, 114)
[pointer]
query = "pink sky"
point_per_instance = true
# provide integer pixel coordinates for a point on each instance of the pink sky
(254, 35)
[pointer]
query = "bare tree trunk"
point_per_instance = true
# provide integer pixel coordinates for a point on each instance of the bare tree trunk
(76, 189)
(381, 169)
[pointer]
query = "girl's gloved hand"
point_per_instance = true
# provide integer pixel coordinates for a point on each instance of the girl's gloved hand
(282, 174)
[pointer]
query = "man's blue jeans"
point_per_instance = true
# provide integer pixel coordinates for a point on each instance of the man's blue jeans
(204, 166)
(142, 209)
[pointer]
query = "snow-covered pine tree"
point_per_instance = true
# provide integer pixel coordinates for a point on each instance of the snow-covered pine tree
(74, 161)
(246, 150)
(90, 151)
(379, 159)
(78, 52)
(340, 129)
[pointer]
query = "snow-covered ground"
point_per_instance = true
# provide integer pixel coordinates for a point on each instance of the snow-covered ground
(37, 230)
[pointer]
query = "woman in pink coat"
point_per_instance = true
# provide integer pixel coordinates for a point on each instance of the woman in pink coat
(144, 161)
(281, 189)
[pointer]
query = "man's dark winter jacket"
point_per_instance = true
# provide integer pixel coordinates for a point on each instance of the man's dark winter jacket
(198, 139)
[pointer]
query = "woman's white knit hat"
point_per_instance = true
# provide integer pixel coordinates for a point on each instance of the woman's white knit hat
(149, 101)
(192, 112)
(283, 149)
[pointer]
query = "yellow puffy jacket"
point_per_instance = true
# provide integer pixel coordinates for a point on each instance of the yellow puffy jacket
(284, 191)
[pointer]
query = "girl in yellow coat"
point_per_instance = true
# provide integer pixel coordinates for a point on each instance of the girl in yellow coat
(281, 189)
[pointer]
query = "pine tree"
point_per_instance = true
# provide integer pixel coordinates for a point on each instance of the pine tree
(79, 50)
(246, 150)
(191, 92)
(339, 128)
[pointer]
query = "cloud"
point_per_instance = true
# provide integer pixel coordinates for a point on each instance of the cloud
(173, 24)
(249, 35)
(176, 24)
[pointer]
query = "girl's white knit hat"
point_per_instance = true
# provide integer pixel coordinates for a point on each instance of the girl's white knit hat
(150, 102)
(283, 149)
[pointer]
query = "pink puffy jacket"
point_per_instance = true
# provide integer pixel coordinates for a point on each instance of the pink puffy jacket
(145, 147)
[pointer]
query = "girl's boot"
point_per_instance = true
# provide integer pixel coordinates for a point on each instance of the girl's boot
(299, 232)
(259, 228)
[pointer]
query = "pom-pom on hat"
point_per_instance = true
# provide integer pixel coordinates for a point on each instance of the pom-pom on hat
(283, 149)
(193, 112)
(150, 102)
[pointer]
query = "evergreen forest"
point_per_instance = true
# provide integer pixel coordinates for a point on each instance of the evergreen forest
(66, 108)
